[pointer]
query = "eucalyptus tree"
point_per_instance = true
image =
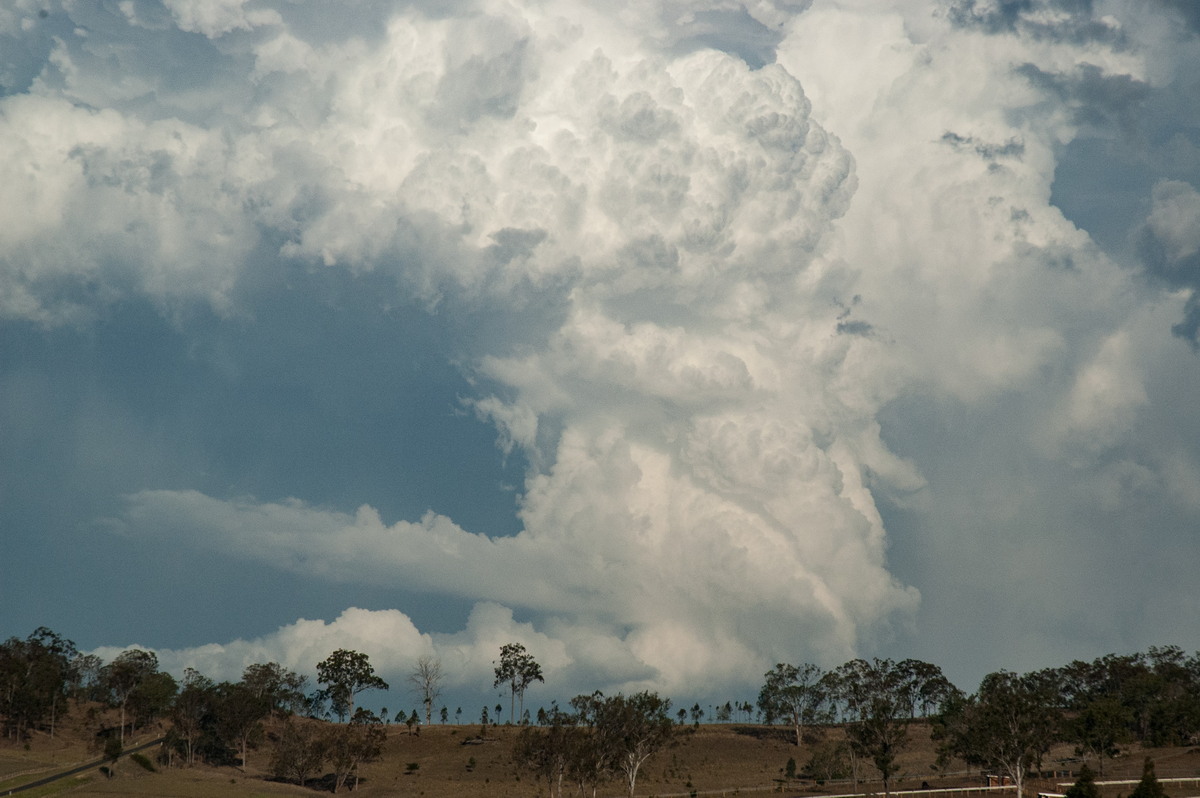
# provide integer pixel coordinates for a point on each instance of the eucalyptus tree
(347, 747)
(797, 693)
(240, 710)
(551, 749)
(518, 669)
(128, 671)
(282, 689)
(346, 674)
(35, 674)
(1005, 725)
(193, 710)
(631, 730)
(878, 699)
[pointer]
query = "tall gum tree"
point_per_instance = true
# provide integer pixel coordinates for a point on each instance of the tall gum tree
(518, 669)
(1005, 725)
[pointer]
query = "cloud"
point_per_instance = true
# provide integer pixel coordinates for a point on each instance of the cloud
(775, 323)
(1026, 379)
(388, 637)
(1058, 20)
(667, 517)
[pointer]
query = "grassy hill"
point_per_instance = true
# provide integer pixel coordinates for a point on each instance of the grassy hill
(733, 759)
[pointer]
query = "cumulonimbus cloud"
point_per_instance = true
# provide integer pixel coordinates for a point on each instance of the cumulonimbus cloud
(700, 443)
(713, 292)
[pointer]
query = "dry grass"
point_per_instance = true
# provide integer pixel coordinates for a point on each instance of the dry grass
(713, 760)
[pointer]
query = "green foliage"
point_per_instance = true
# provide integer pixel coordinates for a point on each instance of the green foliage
(798, 694)
(1099, 727)
(346, 674)
(879, 699)
(280, 688)
(34, 678)
(133, 680)
(113, 748)
(1084, 786)
(347, 747)
(1149, 786)
(518, 669)
(829, 761)
(603, 737)
(1006, 724)
(143, 762)
(239, 710)
(1157, 692)
(301, 751)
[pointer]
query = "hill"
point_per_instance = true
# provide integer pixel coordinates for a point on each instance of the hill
(451, 761)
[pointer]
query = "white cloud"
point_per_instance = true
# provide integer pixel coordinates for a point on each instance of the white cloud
(1174, 220)
(214, 18)
(717, 281)
(1101, 408)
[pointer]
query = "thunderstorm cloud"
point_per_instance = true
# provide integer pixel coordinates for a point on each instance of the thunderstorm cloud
(673, 340)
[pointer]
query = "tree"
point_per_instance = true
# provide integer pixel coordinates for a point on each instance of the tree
(347, 673)
(518, 670)
(549, 751)
(192, 711)
(1084, 786)
(1148, 787)
(151, 699)
(240, 710)
(125, 674)
(282, 689)
(798, 693)
(929, 689)
(85, 678)
(300, 753)
(1099, 727)
(360, 740)
(113, 748)
(1006, 724)
(877, 699)
(426, 679)
(631, 730)
(34, 679)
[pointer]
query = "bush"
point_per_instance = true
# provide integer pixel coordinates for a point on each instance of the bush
(144, 762)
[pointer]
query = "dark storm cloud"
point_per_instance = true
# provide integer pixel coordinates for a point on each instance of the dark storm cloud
(989, 151)
(1096, 98)
(735, 32)
(1188, 12)
(1071, 21)
(1169, 247)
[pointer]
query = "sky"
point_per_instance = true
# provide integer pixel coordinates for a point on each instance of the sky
(670, 339)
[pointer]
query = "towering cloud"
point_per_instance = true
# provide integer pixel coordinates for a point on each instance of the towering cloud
(777, 301)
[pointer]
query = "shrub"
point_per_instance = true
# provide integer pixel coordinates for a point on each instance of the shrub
(144, 762)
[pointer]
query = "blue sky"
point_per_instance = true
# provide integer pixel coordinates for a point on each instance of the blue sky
(671, 340)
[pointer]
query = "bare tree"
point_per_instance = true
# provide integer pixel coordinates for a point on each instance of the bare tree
(426, 678)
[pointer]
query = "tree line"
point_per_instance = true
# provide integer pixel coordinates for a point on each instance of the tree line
(1008, 724)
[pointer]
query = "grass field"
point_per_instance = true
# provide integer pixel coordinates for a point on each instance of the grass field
(731, 759)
